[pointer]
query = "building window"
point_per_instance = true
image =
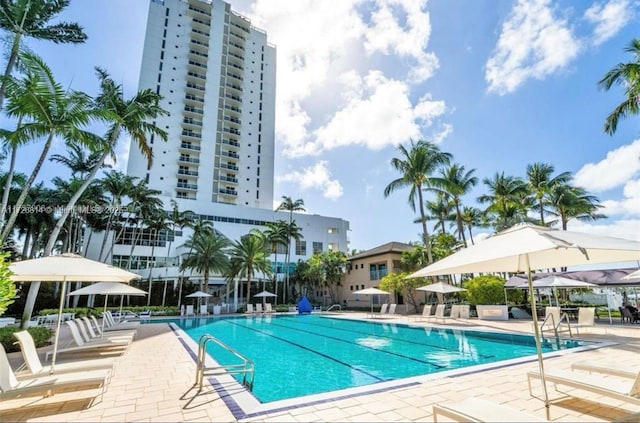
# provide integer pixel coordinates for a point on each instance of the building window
(377, 271)
(301, 248)
(332, 230)
(317, 247)
(351, 287)
(281, 249)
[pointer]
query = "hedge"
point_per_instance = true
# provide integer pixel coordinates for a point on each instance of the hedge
(41, 336)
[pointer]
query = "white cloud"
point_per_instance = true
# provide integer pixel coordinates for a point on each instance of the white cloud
(616, 169)
(629, 228)
(351, 45)
(386, 34)
(316, 177)
(534, 43)
(608, 18)
(122, 156)
(629, 206)
(377, 113)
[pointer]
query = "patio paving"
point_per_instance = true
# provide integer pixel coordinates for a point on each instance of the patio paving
(153, 382)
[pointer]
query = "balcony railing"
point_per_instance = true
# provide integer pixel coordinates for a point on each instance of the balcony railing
(187, 172)
(228, 191)
(229, 166)
(188, 146)
(191, 134)
(188, 159)
(186, 185)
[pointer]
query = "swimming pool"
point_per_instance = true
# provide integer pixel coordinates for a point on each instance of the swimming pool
(298, 355)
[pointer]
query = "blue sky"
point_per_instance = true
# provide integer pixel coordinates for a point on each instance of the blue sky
(498, 83)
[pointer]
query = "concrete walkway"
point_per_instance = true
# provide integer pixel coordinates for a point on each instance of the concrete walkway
(153, 382)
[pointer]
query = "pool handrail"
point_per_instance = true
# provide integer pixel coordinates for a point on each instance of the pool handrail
(335, 305)
(245, 368)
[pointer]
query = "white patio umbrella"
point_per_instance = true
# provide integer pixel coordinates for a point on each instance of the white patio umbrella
(440, 288)
(106, 289)
(199, 295)
(66, 268)
(556, 282)
(632, 276)
(371, 291)
(526, 247)
(264, 295)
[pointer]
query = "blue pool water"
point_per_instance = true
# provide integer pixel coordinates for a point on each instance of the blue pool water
(297, 355)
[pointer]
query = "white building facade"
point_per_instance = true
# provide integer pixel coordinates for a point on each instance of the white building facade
(216, 73)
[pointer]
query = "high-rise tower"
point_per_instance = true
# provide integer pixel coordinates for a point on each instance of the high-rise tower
(216, 73)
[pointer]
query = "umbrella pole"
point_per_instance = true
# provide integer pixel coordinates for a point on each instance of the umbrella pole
(534, 313)
(121, 301)
(106, 297)
(57, 338)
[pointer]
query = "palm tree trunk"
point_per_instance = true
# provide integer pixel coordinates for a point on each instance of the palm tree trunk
(8, 183)
(25, 247)
(425, 232)
(471, 235)
(459, 224)
(25, 191)
(13, 56)
(153, 248)
(72, 202)
(541, 211)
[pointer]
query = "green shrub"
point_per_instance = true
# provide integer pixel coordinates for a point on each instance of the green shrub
(485, 290)
(97, 311)
(41, 336)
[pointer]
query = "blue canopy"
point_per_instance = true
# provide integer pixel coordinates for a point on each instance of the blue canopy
(304, 306)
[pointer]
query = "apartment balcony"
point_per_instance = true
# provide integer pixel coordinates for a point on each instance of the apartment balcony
(234, 76)
(199, 44)
(228, 192)
(185, 159)
(194, 86)
(232, 120)
(185, 195)
(196, 11)
(236, 55)
(198, 54)
(191, 134)
(188, 173)
(229, 179)
(200, 35)
(233, 65)
(186, 185)
(237, 35)
(232, 111)
(229, 167)
(233, 88)
(189, 146)
(196, 66)
(194, 99)
(192, 122)
(231, 154)
(231, 143)
(196, 77)
(232, 131)
(193, 111)
(201, 24)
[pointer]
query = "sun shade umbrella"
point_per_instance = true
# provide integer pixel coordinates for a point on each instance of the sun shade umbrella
(66, 268)
(526, 247)
(264, 295)
(371, 291)
(440, 288)
(106, 289)
(556, 282)
(198, 295)
(632, 276)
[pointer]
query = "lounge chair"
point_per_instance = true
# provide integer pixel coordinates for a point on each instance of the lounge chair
(268, 308)
(86, 330)
(519, 313)
(33, 364)
(383, 310)
(465, 311)
(189, 311)
(455, 311)
(99, 331)
(203, 311)
(107, 347)
(627, 390)
(258, 308)
(11, 387)
(249, 309)
(586, 318)
(392, 309)
(439, 314)
(478, 410)
(111, 325)
(81, 337)
(610, 368)
(427, 312)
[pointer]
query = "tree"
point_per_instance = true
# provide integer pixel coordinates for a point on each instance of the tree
(400, 282)
(29, 18)
(289, 205)
(329, 266)
(126, 117)
(207, 254)
(276, 235)
(627, 75)
(118, 186)
(568, 202)
(485, 289)
(50, 111)
(416, 166)
(457, 182)
(541, 183)
(7, 287)
(471, 216)
(249, 256)
(507, 198)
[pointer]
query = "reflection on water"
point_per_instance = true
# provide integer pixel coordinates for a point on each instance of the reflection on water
(373, 342)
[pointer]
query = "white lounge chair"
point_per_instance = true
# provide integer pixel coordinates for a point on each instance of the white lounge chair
(189, 311)
(107, 347)
(455, 311)
(622, 389)
(268, 308)
(586, 318)
(610, 368)
(478, 410)
(465, 311)
(383, 311)
(426, 313)
(439, 314)
(99, 331)
(33, 364)
(259, 308)
(392, 309)
(111, 324)
(87, 332)
(11, 387)
(249, 309)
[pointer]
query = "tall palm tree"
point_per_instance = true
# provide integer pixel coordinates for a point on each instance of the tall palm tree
(156, 222)
(276, 234)
(440, 211)
(471, 216)
(291, 206)
(50, 110)
(457, 182)
(129, 117)
(78, 160)
(506, 198)
(117, 186)
(541, 183)
(249, 256)
(294, 233)
(417, 166)
(569, 202)
(30, 18)
(627, 75)
(199, 226)
(207, 254)
(144, 202)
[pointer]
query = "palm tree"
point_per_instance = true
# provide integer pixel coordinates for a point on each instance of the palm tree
(78, 161)
(126, 117)
(627, 75)
(276, 234)
(438, 210)
(51, 112)
(249, 256)
(294, 233)
(175, 219)
(506, 198)
(471, 216)
(155, 221)
(207, 254)
(30, 18)
(199, 226)
(569, 202)
(144, 203)
(541, 183)
(417, 165)
(118, 186)
(456, 182)
(289, 205)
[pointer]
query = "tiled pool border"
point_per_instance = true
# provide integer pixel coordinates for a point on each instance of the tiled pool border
(242, 404)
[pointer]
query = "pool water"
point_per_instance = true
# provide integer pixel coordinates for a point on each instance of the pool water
(296, 355)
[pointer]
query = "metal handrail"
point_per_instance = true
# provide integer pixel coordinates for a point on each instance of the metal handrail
(553, 323)
(245, 368)
(335, 305)
(565, 317)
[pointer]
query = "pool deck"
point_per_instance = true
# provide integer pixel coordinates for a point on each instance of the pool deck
(154, 381)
